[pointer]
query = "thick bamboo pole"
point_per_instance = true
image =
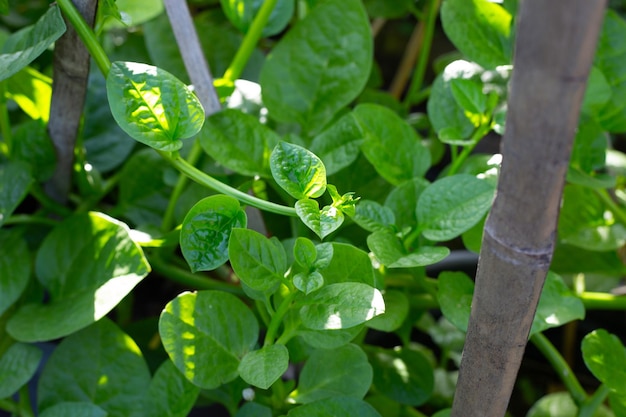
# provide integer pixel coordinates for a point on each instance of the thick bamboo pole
(554, 50)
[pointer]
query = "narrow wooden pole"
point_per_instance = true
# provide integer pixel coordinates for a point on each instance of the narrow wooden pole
(193, 57)
(70, 71)
(554, 49)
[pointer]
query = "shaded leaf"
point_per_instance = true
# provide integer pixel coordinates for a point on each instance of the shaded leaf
(344, 371)
(333, 407)
(170, 393)
(17, 366)
(242, 12)
(319, 66)
(23, 46)
(605, 356)
(14, 274)
(15, 180)
(99, 365)
(339, 145)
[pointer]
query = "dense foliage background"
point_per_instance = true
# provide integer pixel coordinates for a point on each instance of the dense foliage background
(308, 249)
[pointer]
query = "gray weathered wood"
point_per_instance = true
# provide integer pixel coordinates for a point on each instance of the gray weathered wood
(554, 49)
(70, 72)
(193, 57)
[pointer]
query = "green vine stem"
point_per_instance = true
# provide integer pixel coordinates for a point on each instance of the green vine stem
(467, 150)
(420, 69)
(188, 279)
(277, 319)
(210, 182)
(561, 367)
(602, 301)
(591, 406)
(255, 31)
(87, 35)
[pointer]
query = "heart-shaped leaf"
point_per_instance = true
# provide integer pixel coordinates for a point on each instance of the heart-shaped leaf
(263, 367)
(322, 222)
(298, 171)
(206, 230)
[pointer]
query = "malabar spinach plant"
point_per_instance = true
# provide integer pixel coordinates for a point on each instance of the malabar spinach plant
(307, 225)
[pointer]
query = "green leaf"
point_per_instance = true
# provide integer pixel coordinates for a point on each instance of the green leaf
(319, 66)
(100, 365)
(136, 12)
(583, 222)
(298, 171)
(206, 334)
(329, 339)
(304, 252)
(339, 145)
(597, 94)
(23, 46)
(239, 142)
(4, 7)
(322, 222)
(605, 355)
(348, 264)
(31, 90)
(341, 306)
(469, 95)
(152, 106)
(307, 282)
(263, 367)
(206, 230)
(333, 407)
(610, 53)
(242, 12)
(447, 115)
(15, 180)
(83, 409)
(561, 404)
(388, 9)
(455, 297)
(403, 374)
(396, 311)
(391, 145)
(143, 193)
(344, 371)
(481, 30)
(372, 216)
(17, 366)
(452, 205)
(106, 144)
(557, 305)
(390, 252)
(590, 146)
(14, 274)
(170, 393)
(87, 273)
(251, 409)
(402, 200)
(259, 262)
(32, 145)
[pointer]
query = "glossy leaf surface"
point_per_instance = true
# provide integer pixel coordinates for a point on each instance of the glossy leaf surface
(206, 334)
(87, 272)
(604, 354)
(22, 47)
(391, 145)
(152, 106)
(452, 205)
(206, 230)
(239, 142)
(258, 261)
(339, 145)
(298, 171)
(341, 306)
(319, 66)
